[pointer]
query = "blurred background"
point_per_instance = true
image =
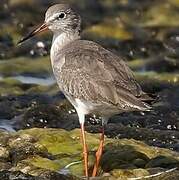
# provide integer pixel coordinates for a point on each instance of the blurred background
(144, 32)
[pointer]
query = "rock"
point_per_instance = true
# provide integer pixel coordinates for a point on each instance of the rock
(50, 116)
(17, 104)
(121, 157)
(162, 161)
(4, 153)
(44, 152)
(9, 175)
(154, 174)
(12, 175)
(122, 174)
(4, 165)
(139, 163)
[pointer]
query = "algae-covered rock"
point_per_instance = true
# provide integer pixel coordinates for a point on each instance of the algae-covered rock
(126, 174)
(122, 157)
(43, 152)
(20, 66)
(109, 29)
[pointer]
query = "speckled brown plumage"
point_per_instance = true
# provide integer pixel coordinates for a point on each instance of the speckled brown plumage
(94, 74)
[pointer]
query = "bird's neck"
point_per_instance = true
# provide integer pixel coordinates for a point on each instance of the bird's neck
(60, 40)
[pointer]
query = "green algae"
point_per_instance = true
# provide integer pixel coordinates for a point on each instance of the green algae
(149, 151)
(24, 65)
(59, 143)
(55, 139)
(12, 31)
(125, 174)
(44, 163)
(11, 86)
(17, 2)
(112, 3)
(137, 64)
(162, 14)
(109, 29)
(172, 78)
(65, 146)
(64, 138)
(52, 89)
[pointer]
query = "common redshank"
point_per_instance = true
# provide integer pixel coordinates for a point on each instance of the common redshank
(93, 79)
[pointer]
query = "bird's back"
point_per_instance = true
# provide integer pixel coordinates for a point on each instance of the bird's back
(90, 73)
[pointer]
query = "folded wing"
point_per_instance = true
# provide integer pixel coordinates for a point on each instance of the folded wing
(97, 75)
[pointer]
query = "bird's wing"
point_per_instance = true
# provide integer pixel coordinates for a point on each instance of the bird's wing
(97, 75)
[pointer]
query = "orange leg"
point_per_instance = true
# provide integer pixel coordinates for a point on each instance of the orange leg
(85, 150)
(99, 153)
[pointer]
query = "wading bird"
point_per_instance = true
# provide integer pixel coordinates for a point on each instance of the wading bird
(93, 79)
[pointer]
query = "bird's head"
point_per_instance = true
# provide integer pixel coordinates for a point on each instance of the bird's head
(59, 18)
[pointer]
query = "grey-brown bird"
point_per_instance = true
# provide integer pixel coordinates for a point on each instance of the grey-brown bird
(93, 79)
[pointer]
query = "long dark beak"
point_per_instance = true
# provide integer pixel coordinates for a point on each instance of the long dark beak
(42, 28)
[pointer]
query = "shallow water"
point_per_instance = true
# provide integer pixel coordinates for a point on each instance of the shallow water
(35, 80)
(6, 125)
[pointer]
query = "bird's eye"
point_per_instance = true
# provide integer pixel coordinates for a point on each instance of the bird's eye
(61, 16)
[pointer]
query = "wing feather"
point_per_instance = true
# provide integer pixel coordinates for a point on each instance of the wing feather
(97, 75)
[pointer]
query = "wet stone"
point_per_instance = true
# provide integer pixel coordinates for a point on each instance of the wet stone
(19, 151)
(43, 152)
(129, 173)
(9, 175)
(162, 161)
(4, 153)
(121, 157)
(50, 116)
(139, 163)
(4, 165)
(17, 104)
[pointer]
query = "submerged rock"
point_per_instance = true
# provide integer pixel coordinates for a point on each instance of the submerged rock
(56, 153)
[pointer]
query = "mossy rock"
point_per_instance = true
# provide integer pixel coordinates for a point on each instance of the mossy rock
(41, 150)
